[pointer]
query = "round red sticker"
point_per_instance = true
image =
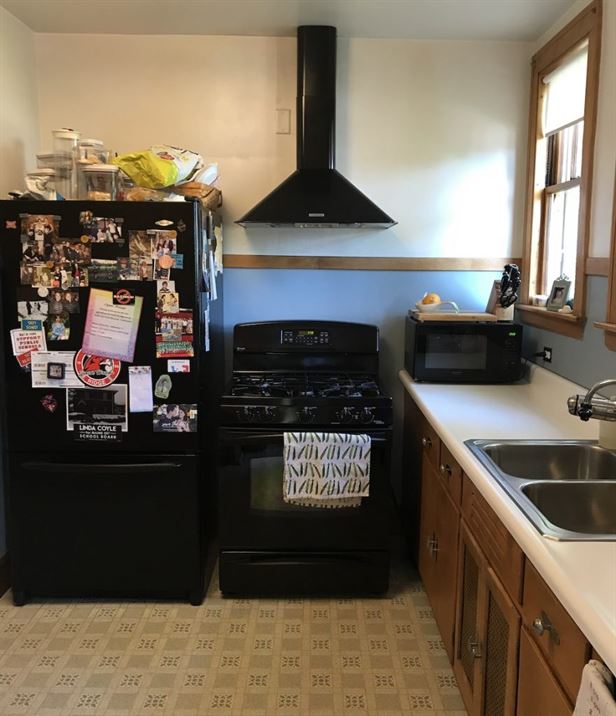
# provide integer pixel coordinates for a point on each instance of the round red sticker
(96, 371)
(123, 296)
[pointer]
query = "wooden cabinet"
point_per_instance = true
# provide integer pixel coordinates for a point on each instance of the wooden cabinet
(438, 552)
(488, 627)
(554, 632)
(538, 690)
(515, 650)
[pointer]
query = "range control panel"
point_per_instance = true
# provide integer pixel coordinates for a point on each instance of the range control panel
(304, 337)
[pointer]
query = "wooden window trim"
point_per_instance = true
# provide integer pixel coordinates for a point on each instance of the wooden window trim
(609, 325)
(586, 26)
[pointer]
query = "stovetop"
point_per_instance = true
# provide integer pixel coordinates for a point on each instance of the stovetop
(304, 385)
(306, 398)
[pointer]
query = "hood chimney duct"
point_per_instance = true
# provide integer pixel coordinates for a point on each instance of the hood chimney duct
(316, 97)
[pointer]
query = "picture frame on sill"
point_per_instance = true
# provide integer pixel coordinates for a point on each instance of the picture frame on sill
(558, 294)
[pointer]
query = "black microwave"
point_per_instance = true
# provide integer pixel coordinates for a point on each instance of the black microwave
(463, 352)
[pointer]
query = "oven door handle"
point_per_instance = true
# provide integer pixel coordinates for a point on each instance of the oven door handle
(266, 437)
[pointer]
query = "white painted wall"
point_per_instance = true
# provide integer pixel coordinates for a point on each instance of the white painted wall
(19, 122)
(605, 138)
(433, 131)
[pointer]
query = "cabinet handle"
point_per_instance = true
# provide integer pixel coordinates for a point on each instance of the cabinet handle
(474, 647)
(426, 442)
(432, 545)
(542, 624)
(446, 470)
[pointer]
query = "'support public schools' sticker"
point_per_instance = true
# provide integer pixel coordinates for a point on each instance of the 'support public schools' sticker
(96, 371)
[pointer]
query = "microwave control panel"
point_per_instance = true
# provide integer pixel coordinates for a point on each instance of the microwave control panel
(304, 337)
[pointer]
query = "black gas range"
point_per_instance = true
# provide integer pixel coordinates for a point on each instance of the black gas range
(301, 376)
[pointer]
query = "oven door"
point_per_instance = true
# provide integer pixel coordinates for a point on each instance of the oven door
(254, 516)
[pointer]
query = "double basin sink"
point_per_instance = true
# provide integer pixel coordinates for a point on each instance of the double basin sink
(566, 488)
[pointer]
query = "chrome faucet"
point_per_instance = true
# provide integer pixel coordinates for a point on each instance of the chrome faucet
(587, 406)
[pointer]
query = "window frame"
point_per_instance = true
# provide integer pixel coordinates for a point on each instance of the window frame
(609, 325)
(585, 26)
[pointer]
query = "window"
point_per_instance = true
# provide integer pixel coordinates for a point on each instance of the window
(561, 142)
(609, 326)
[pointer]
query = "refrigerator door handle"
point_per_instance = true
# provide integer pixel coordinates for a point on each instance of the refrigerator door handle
(97, 469)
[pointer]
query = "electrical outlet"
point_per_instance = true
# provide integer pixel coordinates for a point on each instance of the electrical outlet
(547, 354)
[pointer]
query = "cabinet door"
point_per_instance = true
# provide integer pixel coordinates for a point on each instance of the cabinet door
(501, 637)
(427, 529)
(438, 553)
(471, 598)
(538, 690)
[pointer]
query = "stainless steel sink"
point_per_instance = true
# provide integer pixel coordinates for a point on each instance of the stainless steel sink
(553, 461)
(566, 488)
(588, 507)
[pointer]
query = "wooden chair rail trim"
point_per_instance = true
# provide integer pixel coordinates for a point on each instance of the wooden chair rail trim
(597, 266)
(366, 263)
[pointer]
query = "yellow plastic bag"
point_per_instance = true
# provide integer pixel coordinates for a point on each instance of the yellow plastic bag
(159, 166)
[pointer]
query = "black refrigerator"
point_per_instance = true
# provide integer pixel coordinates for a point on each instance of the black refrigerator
(112, 368)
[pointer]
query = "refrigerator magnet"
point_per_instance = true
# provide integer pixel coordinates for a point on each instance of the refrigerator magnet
(164, 222)
(178, 365)
(10, 224)
(175, 418)
(49, 403)
(181, 225)
(165, 261)
(96, 371)
(178, 261)
(140, 397)
(97, 415)
(163, 387)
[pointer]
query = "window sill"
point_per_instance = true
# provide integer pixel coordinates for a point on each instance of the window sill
(567, 324)
(610, 333)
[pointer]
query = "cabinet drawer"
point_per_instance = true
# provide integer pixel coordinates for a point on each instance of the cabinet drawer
(538, 690)
(501, 550)
(554, 632)
(451, 473)
(430, 443)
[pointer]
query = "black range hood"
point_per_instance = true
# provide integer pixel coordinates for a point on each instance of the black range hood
(316, 195)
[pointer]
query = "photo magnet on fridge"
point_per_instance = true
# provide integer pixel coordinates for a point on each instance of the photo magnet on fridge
(175, 418)
(41, 229)
(101, 229)
(58, 327)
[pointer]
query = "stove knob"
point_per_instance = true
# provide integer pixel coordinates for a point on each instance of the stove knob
(367, 415)
(250, 414)
(307, 414)
(269, 414)
(345, 415)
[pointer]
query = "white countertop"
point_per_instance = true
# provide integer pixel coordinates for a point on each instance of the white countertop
(581, 574)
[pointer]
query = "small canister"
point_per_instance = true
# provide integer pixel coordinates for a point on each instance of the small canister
(65, 144)
(101, 182)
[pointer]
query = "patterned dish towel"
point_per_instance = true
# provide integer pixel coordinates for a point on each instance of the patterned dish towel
(596, 695)
(326, 469)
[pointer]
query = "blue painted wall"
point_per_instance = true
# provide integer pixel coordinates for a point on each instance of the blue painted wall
(583, 361)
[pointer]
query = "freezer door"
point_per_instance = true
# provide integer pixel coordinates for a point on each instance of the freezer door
(105, 526)
(38, 422)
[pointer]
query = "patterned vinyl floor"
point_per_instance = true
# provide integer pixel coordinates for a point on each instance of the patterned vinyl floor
(254, 657)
